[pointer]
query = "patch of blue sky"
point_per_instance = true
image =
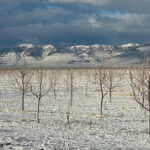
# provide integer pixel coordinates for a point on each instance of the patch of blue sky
(113, 13)
(83, 6)
(51, 6)
(2, 5)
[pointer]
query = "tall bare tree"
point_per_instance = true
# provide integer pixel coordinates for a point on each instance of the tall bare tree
(88, 78)
(113, 81)
(54, 77)
(39, 89)
(70, 88)
(102, 81)
(70, 84)
(140, 83)
(20, 80)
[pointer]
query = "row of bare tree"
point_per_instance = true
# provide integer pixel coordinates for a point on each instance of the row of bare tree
(40, 82)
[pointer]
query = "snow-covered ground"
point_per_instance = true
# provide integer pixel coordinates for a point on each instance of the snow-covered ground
(123, 125)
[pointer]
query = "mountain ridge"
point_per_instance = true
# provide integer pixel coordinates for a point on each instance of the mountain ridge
(77, 55)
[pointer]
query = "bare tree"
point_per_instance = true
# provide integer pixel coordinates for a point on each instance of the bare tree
(70, 86)
(20, 80)
(54, 77)
(140, 83)
(142, 76)
(87, 76)
(110, 85)
(40, 89)
(102, 81)
(113, 81)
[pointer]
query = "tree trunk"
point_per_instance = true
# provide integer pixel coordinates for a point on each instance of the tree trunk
(22, 101)
(71, 96)
(38, 110)
(110, 88)
(149, 102)
(86, 89)
(110, 95)
(54, 89)
(149, 123)
(102, 98)
(101, 106)
(68, 117)
(71, 89)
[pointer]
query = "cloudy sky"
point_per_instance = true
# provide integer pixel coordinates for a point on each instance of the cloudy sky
(69, 22)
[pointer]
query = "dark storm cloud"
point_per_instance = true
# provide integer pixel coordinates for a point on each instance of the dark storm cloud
(74, 21)
(131, 6)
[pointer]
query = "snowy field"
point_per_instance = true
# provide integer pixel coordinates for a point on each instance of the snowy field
(123, 124)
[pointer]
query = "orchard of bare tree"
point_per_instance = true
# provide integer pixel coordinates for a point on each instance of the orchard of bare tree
(68, 105)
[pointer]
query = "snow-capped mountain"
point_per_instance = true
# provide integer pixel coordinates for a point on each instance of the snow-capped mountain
(130, 45)
(77, 55)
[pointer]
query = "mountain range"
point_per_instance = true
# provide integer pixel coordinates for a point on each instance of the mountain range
(31, 55)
